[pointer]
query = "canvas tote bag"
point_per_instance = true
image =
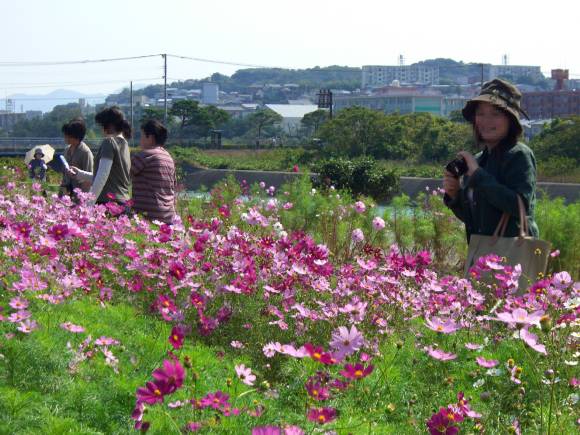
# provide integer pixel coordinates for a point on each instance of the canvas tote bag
(532, 254)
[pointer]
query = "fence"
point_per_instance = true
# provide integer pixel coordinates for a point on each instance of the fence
(18, 146)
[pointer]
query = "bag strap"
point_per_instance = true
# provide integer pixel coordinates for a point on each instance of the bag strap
(504, 219)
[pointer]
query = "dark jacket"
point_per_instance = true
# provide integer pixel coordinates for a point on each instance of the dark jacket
(502, 174)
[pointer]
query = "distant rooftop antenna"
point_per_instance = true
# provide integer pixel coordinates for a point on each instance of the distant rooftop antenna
(504, 59)
(401, 60)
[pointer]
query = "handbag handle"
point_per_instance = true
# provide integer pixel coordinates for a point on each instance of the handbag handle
(504, 219)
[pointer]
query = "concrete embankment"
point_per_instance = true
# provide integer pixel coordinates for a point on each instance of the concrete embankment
(196, 178)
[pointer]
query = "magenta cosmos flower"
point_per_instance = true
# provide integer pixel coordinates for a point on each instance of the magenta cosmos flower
(317, 354)
(360, 207)
(358, 371)
(322, 415)
(153, 392)
(346, 342)
(444, 422)
(357, 235)
(172, 375)
(317, 391)
(444, 326)
(176, 338)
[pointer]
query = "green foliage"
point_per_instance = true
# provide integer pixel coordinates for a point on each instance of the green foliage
(559, 224)
(51, 123)
(312, 121)
(560, 138)
(262, 118)
(419, 137)
(361, 176)
(149, 113)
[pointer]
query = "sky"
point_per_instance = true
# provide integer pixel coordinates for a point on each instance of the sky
(282, 33)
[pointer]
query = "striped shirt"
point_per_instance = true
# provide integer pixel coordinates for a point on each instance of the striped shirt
(153, 177)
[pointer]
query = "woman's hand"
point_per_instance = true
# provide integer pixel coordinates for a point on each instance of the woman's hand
(472, 164)
(450, 184)
(72, 172)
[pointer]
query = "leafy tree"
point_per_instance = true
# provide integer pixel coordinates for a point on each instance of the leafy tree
(262, 118)
(560, 138)
(313, 120)
(187, 111)
(152, 112)
(354, 131)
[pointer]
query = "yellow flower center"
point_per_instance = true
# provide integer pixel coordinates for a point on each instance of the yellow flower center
(321, 418)
(316, 355)
(358, 373)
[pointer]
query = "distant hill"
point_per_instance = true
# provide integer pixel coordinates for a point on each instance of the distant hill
(46, 102)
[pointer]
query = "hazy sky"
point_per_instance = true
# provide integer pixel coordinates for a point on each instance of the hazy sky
(295, 34)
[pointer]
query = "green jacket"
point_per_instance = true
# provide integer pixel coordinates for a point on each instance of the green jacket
(497, 181)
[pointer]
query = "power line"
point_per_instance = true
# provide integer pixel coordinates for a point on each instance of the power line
(84, 83)
(76, 62)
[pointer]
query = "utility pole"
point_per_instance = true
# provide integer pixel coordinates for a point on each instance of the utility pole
(165, 86)
(482, 75)
(131, 111)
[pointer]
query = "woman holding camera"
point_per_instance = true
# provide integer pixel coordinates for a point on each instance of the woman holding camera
(504, 169)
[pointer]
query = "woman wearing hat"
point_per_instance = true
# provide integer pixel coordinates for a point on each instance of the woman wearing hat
(504, 169)
(37, 166)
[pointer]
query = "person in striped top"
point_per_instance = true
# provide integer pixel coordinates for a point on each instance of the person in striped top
(153, 175)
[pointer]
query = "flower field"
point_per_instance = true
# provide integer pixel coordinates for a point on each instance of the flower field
(267, 312)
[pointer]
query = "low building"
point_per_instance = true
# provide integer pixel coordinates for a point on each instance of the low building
(394, 99)
(292, 115)
(551, 104)
(381, 75)
(9, 119)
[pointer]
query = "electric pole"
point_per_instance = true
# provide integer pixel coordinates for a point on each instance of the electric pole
(131, 111)
(165, 86)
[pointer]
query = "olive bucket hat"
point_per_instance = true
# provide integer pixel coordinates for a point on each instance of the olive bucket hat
(501, 94)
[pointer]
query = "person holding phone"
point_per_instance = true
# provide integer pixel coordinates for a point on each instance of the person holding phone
(111, 178)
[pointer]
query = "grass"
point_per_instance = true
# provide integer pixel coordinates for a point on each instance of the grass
(38, 395)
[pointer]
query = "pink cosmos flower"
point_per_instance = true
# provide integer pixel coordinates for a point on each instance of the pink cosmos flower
(27, 326)
(19, 316)
(106, 341)
(444, 326)
(358, 371)
(487, 363)
(473, 346)
(346, 342)
(464, 408)
(322, 415)
(18, 303)
(245, 374)
(237, 344)
(378, 223)
(521, 316)
(70, 327)
(440, 355)
(360, 207)
(176, 337)
(266, 430)
(531, 340)
(357, 235)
